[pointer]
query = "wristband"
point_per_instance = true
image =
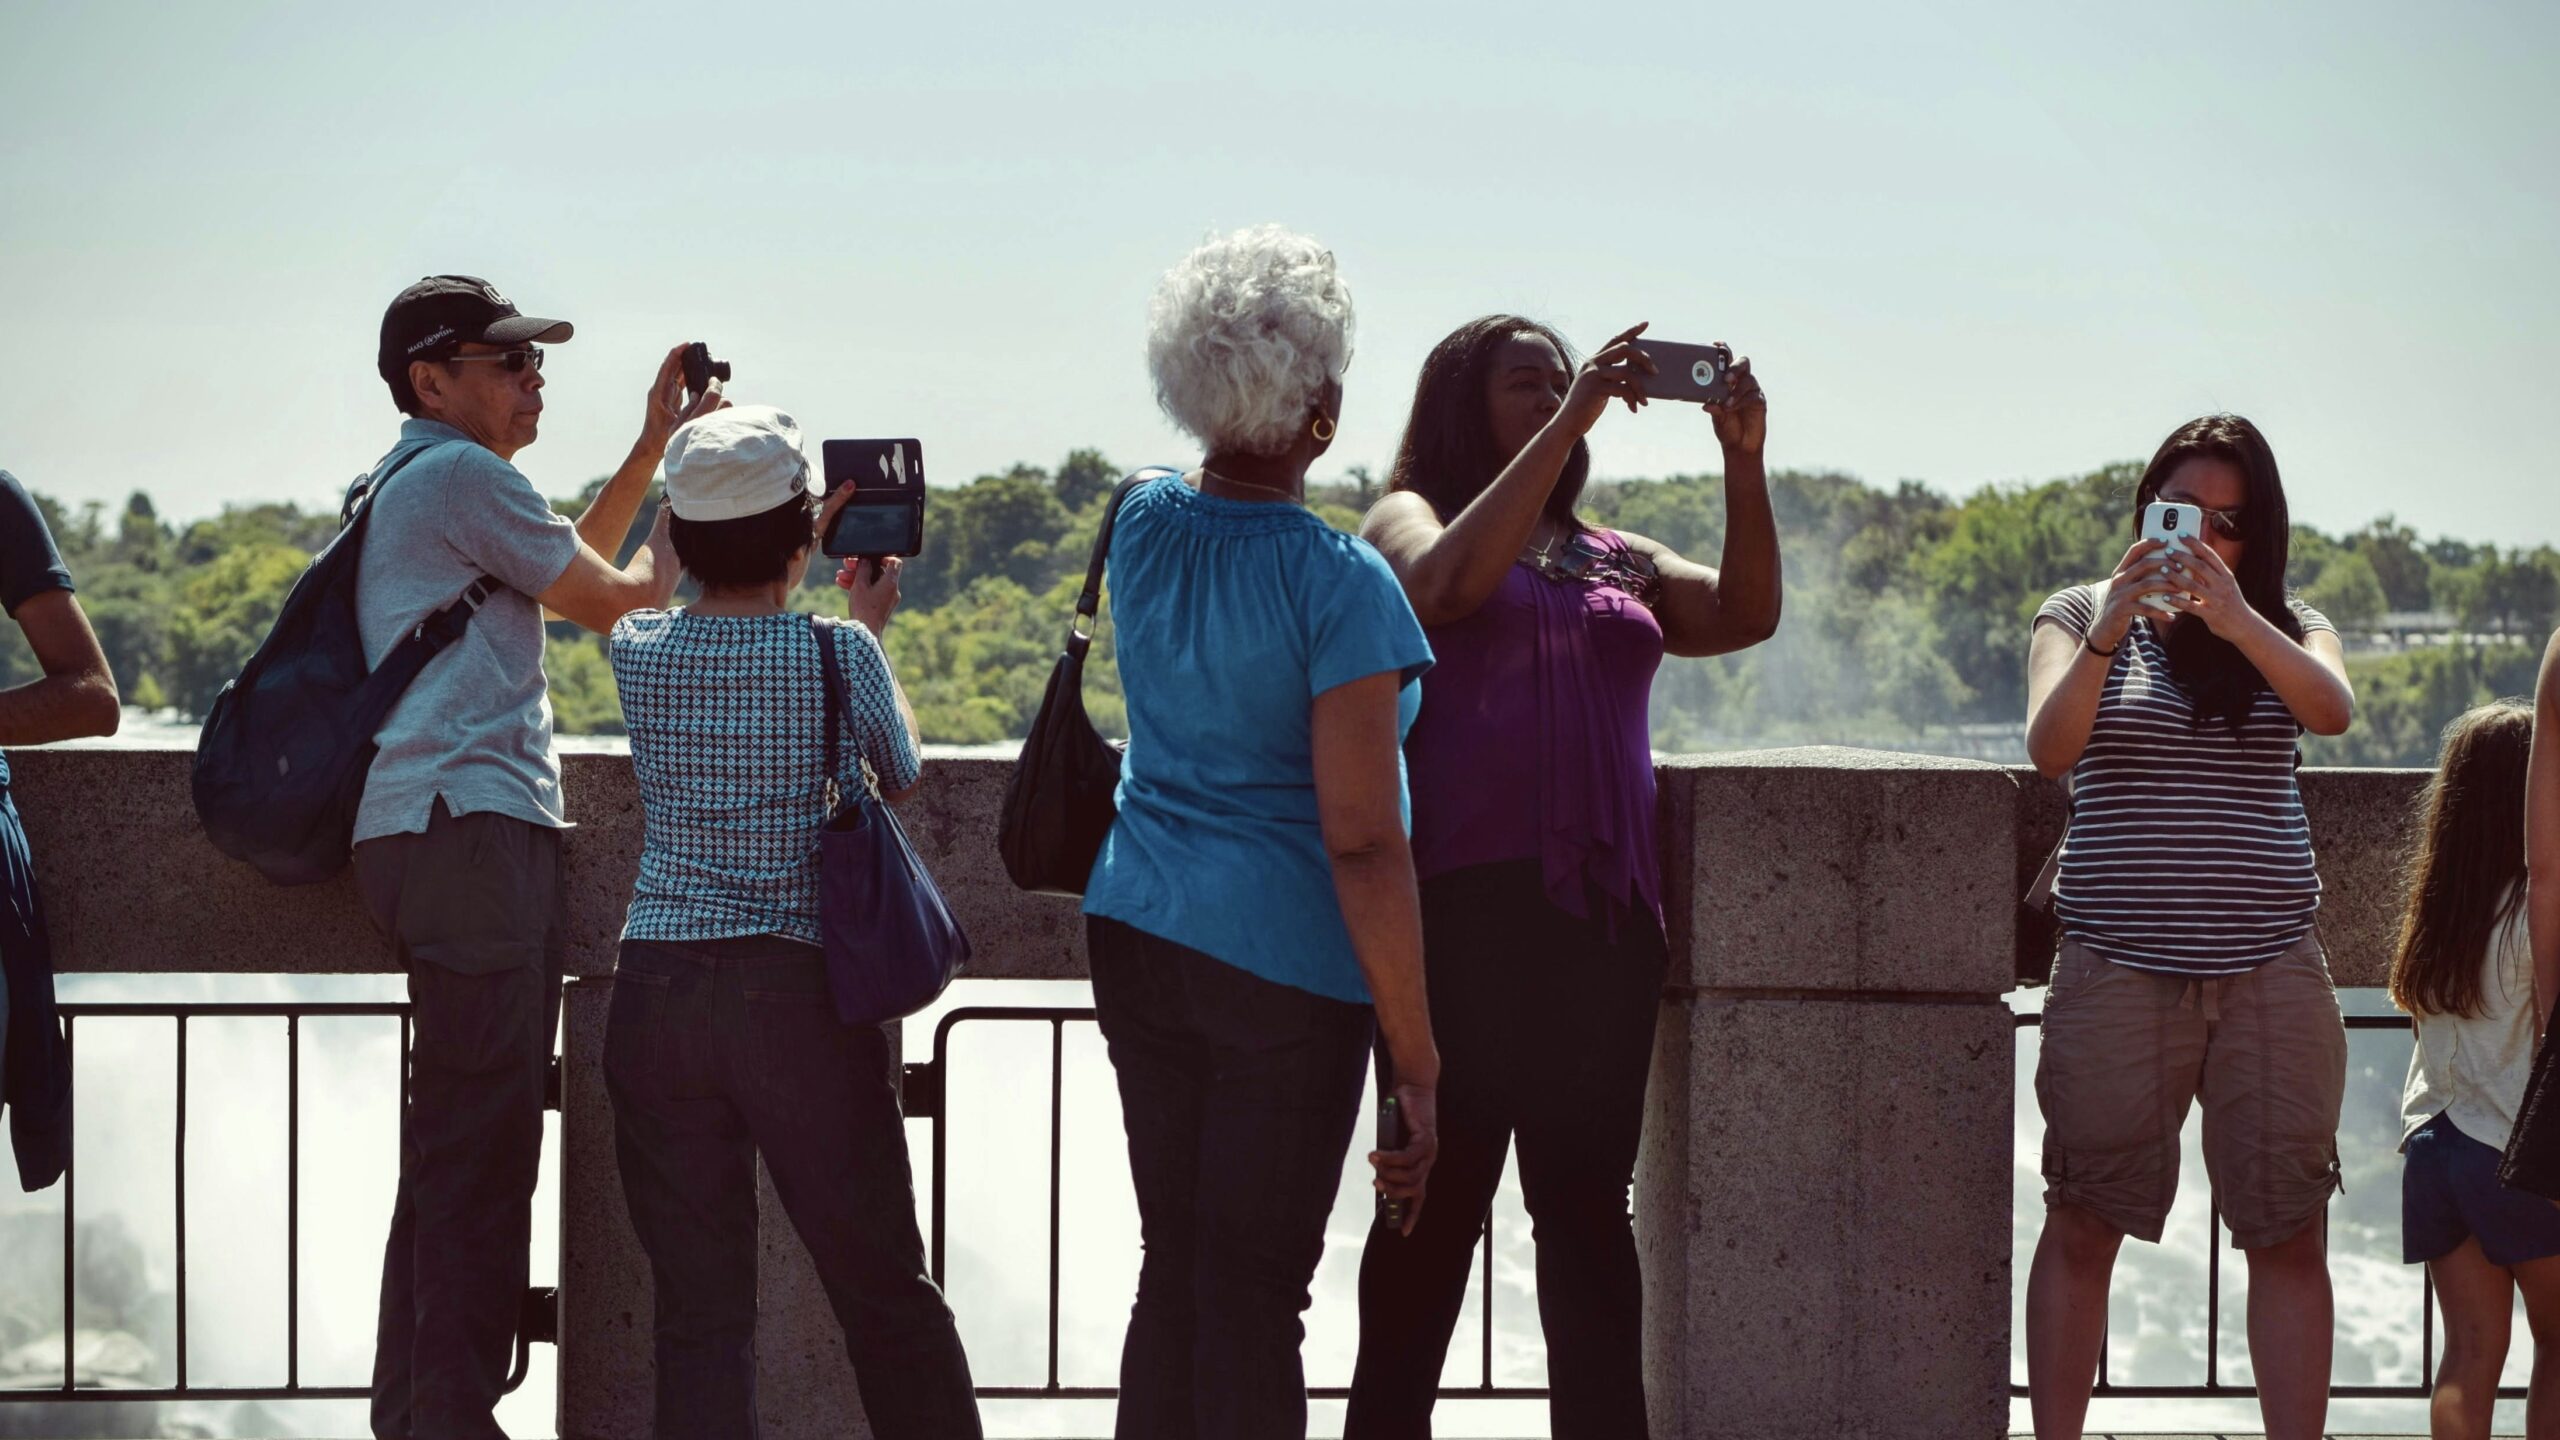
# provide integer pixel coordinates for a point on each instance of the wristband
(2091, 647)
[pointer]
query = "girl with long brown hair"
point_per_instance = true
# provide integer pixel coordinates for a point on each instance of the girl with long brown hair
(2465, 972)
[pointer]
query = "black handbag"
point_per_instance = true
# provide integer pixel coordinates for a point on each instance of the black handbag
(2532, 1159)
(891, 943)
(1058, 808)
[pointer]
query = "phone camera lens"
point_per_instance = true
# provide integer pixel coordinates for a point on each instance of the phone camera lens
(2169, 518)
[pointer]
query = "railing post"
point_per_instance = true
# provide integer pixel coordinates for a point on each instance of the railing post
(1823, 1200)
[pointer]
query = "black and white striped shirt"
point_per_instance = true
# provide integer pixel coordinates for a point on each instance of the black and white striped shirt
(2188, 851)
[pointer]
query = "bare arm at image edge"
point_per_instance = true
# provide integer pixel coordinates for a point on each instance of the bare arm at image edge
(2542, 832)
(77, 695)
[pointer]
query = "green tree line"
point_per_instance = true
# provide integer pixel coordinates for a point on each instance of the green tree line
(1906, 621)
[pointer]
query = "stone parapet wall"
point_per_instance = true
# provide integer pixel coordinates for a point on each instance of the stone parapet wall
(1823, 1200)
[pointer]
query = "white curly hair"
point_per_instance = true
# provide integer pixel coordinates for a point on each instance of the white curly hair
(1243, 334)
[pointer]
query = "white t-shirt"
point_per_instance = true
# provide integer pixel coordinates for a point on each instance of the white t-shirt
(2475, 1067)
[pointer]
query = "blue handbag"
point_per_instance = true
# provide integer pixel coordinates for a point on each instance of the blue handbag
(892, 945)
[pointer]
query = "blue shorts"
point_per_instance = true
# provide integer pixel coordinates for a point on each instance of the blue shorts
(2449, 1190)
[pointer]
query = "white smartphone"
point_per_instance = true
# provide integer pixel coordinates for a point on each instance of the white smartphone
(2173, 523)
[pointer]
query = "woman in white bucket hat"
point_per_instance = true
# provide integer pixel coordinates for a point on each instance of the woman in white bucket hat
(723, 1043)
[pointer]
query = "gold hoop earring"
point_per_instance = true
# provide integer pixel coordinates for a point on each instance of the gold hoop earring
(1322, 430)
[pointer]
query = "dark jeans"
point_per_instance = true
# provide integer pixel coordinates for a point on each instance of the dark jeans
(1545, 1025)
(1240, 1097)
(473, 909)
(716, 1051)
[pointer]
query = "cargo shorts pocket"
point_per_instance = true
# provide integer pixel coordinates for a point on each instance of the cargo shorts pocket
(2270, 1193)
(2128, 1187)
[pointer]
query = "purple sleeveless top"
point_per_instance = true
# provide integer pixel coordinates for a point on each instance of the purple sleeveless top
(1533, 741)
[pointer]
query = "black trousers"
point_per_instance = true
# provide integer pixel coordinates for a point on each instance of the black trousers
(473, 908)
(1240, 1097)
(716, 1051)
(1545, 1025)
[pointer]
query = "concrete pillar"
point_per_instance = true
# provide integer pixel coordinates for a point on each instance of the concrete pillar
(1823, 1199)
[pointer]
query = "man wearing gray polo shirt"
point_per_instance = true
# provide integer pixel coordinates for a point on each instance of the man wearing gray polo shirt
(457, 841)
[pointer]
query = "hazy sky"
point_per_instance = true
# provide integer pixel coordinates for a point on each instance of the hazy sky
(1963, 244)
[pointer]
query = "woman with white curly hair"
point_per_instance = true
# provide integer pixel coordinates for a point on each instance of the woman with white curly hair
(1252, 922)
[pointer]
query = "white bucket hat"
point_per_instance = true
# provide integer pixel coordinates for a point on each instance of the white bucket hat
(740, 461)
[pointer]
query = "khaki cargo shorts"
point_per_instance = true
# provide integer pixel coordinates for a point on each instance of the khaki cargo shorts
(2126, 1051)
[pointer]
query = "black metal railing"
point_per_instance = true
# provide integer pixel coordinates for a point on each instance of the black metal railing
(925, 1091)
(925, 1095)
(2214, 1387)
(538, 1323)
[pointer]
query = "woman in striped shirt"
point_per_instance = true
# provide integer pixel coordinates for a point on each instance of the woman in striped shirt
(2172, 693)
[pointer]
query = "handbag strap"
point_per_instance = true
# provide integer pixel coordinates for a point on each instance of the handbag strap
(833, 687)
(1080, 627)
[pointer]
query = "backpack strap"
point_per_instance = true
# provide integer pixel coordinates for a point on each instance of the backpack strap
(446, 625)
(364, 487)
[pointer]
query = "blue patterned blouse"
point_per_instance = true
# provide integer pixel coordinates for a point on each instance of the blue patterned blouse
(725, 715)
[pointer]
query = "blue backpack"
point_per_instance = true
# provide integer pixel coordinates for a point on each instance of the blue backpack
(280, 767)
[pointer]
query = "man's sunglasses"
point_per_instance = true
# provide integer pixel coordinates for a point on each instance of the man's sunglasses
(517, 360)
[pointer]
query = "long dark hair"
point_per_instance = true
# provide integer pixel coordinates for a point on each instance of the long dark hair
(1447, 455)
(2461, 876)
(2211, 669)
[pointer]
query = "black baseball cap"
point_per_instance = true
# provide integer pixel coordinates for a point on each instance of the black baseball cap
(441, 313)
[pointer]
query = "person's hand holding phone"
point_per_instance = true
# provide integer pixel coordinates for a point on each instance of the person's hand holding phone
(2145, 570)
(1402, 1173)
(870, 585)
(1742, 417)
(1615, 371)
(2208, 590)
(871, 590)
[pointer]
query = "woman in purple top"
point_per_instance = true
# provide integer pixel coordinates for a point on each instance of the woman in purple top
(1532, 778)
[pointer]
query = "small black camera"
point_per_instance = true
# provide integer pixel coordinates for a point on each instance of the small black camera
(700, 369)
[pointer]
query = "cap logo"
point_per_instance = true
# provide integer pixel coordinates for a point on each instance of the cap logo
(494, 297)
(442, 334)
